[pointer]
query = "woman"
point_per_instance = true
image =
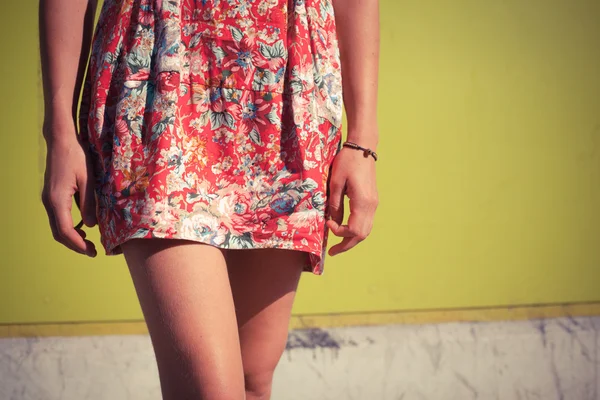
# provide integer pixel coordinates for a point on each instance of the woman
(215, 124)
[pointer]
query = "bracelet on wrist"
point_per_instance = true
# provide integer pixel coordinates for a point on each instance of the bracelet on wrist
(367, 152)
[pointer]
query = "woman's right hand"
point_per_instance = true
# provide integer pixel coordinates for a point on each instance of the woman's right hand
(68, 170)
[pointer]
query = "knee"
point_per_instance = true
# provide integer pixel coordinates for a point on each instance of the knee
(258, 384)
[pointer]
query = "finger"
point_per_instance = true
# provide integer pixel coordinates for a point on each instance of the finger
(87, 196)
(346, 244)
(67, 233)
(357, 229)
(336, 200)
(339, 230)
(360, 219)
(55, 234)
(52, 220)
(90, 247)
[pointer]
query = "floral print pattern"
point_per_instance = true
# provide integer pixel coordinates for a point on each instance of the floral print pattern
(215, 121)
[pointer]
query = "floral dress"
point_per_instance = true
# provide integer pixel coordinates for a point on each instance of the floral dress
(215, 121)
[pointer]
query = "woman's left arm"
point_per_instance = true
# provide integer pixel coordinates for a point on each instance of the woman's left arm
(353, 174)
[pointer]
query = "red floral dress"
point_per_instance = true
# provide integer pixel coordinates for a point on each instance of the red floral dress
(215, 121)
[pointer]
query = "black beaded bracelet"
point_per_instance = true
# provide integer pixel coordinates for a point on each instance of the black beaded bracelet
(367, 152)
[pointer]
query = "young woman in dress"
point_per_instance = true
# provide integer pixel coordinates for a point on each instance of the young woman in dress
(207, 148)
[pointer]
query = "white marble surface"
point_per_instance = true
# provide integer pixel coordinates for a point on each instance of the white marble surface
(555, 359)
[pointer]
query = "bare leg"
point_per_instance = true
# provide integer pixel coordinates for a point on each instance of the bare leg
(264, 283)
(184, 293)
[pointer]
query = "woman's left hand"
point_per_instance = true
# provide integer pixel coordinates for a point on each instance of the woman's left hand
(353, 175)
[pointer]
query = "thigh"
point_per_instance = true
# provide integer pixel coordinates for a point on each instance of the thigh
(263, 283)
(184, 293)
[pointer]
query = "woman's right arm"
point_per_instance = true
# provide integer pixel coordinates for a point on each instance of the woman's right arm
(66, 29)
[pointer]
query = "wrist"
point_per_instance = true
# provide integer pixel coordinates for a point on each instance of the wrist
(57, 128)
(367, 137)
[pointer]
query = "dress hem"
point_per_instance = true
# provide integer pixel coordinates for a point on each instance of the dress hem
(314, 258)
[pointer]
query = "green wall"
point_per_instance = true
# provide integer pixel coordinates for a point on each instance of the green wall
(489, 171)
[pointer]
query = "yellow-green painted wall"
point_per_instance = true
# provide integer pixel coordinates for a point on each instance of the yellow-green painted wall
(489, 171)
